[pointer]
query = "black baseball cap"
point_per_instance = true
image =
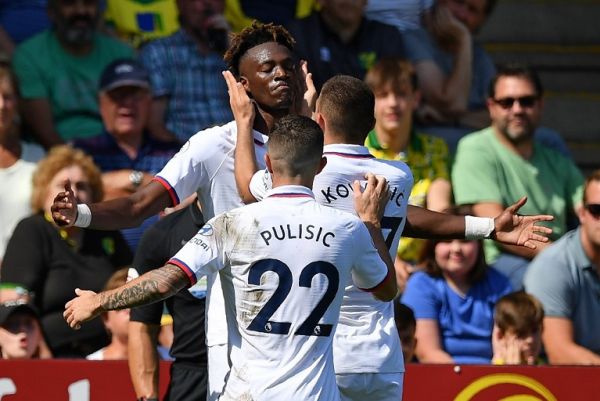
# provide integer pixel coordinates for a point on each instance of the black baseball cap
(124, 72)
(8, 308)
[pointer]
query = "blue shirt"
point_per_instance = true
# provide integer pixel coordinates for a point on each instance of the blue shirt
(151, 158)
(465, 323)
(192, 82)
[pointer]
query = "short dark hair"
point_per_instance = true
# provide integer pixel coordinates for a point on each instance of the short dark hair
(428, 256)
(593, 177)
(517, 70)
(295, 145)
(252, 36)
(397, 72)
(404, 316)
(520, 312)
(348, 104)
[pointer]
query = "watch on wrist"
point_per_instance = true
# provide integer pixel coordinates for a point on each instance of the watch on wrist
(136, 178)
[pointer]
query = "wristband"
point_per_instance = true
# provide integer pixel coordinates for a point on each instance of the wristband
(84, 216)
(478, 227)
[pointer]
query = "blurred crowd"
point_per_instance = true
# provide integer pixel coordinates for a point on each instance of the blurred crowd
(101, 94)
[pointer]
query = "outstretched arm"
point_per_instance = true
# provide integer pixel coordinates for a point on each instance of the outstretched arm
(508, 227)
(243, 110)
(151, 287)
(114, 214)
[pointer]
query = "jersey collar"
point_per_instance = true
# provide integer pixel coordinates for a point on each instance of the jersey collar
(290, 191)
(345, 150)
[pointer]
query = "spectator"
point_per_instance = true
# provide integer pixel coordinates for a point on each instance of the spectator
(338, 39)
(407, 326)
(241, 13)
(189, 371)
(21, 334)
(517, 334)
(19, 20)
(116, 323)
(50, 262)
(138, 22)
(454, 71)
(125, 151)
(185, 71)
(58, 70)
(497, 165)
(453, 301)
(565, 278)
(17, 161)
(405, 15)
(394, 84)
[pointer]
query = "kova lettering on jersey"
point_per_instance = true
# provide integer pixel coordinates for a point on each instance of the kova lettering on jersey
(308, 232)
(333, 193)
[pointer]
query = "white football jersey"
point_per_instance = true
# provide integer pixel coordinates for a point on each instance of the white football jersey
(283, 264)
(366, 340)
(205, 164)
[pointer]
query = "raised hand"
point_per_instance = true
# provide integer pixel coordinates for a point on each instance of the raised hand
(242, 106)
(82, 308)
(514, 229)
(370, 203)
(305, 98)
(64, 207)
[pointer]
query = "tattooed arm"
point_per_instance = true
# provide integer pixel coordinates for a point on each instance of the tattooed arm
(151, 287)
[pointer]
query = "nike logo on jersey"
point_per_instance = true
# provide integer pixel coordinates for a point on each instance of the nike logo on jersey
(299, 231)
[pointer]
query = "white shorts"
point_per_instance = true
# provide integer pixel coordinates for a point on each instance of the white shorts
(370, 386)
(218, 367)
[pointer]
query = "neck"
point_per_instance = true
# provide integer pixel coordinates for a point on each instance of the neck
(10, 148)
(266, 119)
(279, 181)
(591, 250)
(523, 148)
(332, 138)
(117, 349)
(76, 49)
(130, 143)
(458, 283)
(395, 140)
(343, 30)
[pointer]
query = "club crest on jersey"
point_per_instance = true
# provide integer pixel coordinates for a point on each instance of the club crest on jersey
(206, 230)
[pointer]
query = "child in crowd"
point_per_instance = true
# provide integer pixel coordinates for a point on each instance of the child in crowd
(406, 324)
(20, 332)
(116, 323)
(517, 334)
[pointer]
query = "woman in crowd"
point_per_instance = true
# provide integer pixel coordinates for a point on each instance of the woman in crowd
(45, 263)
(453, 300)
(17, 160)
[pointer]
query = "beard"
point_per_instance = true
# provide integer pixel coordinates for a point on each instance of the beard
(76, 34)
(520, 134)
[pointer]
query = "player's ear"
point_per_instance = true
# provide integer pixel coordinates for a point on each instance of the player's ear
(322, 164)
(319, 119)
(268, 163)
(244, 81)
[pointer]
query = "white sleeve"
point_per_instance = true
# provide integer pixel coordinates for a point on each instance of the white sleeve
(369, 271)
(260, 184)
(203, 254)
(189, 170)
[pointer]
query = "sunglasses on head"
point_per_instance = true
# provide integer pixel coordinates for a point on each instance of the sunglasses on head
(524, 101)
(593, 208)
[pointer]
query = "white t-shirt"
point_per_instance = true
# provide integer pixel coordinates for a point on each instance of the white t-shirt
(366, 340)
(205, 165)
(15, 201)
(283, 263)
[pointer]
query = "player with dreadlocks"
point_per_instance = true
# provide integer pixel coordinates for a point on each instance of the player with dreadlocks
(261, 58)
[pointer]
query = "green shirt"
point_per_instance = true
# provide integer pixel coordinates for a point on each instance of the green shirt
(69, 82)
(485, 170)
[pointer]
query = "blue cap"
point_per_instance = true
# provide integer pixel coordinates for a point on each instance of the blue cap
(124, 72)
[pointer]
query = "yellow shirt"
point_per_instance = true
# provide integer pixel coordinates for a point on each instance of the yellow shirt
(428, 158)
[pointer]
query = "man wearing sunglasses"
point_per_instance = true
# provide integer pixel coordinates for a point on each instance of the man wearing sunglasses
(496, 165)
(566, 279)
